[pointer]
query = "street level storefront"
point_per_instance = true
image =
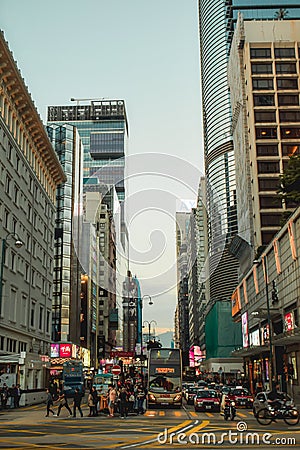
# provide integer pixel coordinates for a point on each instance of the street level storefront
(266, 302)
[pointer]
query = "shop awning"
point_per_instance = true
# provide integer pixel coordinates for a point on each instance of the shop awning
(251, 351)
(288, 337)
(9, 359)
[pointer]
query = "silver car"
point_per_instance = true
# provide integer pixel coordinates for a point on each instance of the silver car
(261, 401)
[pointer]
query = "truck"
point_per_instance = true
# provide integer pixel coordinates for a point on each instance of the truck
(73, 377)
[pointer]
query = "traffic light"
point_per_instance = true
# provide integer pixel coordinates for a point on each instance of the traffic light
(274, 292)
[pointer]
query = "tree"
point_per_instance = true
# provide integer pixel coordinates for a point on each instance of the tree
(282, 13)
(290, 181)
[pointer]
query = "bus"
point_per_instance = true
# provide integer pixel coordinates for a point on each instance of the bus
(72, 377)
(102, 382)
(164, 377)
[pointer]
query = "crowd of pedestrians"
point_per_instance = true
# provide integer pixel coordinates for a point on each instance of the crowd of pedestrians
(10, 396)
(121, 400)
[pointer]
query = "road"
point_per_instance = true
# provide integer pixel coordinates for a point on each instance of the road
(28, 428)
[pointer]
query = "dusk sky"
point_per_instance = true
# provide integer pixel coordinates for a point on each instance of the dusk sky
(147, 54)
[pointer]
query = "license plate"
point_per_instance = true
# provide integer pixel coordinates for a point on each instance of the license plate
(208, 407)
(243, 403)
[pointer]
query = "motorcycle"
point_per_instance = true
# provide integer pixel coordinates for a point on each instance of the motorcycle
(229, 411)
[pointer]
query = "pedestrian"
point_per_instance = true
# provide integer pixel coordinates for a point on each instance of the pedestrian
(91, 404)
(63, 402)
(13, 396)
(140, 395)
(95, 400)
(4, 396)
(123, 396)
(112, 397)
(18, 395)
(77, 402)
(49, 403)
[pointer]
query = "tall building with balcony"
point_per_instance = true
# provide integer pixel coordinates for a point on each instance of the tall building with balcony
(29, 174)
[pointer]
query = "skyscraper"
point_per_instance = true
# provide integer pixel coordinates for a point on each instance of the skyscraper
(217, 20)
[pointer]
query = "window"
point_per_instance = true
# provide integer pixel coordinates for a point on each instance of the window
(286, 67)
(263, 100)
(6, 219)
(266, 133)
(7, 184)
(265, 116)
(23, 312)
(267, 236)
(268, 184)
(270, 201)
(13, 261)
(287, 83)
(16, 195)
(268, 167)
(261, 68)
(288, 99)
(290, 132)
(289, 116)
(260, 53)
(48, 321)
(290, 149)
(32, 315)
(270, 220)
(267, 150)
(41, 315)
(264, 84)
(284, 52)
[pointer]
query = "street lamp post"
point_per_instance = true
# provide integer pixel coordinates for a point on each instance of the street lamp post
(18, 244)
(149, 327)
(266, 278)
(140, 316)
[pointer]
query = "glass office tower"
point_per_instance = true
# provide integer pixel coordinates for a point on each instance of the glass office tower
(103, 128)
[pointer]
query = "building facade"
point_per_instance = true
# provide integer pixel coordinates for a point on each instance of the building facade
(29, 174)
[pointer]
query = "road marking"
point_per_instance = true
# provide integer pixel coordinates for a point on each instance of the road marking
(193, 414)
(209, 414)
(184, 426)
(177, 413)
(241, 414)
(161, 413)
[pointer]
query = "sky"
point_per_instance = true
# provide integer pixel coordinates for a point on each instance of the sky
(147, 54)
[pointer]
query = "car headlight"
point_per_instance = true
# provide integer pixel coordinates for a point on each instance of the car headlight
(152, 397)
(251, 399)
(232, 403)
(177, 398)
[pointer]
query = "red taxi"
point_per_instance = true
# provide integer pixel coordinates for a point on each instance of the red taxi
(207, 400)
(241, 397)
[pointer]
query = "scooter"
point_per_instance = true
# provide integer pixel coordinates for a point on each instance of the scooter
(230, 411)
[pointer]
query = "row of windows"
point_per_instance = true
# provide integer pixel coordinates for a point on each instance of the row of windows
(280, 68)
(270, 116)
(270, 166)
(279, 52)
(267, 84)
(271, 132)
(272, 149)
(12, 345)
(282, 99)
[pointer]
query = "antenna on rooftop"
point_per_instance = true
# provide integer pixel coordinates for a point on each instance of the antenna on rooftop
(87, 99)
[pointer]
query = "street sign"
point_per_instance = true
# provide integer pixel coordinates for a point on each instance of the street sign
(116, 370)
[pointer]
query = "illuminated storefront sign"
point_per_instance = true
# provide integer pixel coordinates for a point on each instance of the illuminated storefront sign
(54, 351)
(289, 322)
(65, 350)
(245, 329)
(165, 370)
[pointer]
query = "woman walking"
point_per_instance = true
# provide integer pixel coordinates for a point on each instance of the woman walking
(49, 403)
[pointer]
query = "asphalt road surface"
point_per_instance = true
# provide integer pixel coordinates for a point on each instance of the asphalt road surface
(28, 428)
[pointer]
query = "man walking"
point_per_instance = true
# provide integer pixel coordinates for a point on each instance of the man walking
(63, 402)
(77, 402)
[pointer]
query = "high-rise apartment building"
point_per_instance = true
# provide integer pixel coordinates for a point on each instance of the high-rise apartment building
(29, 174)
(264, 87)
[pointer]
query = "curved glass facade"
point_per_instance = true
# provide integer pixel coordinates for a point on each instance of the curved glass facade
(218, 147)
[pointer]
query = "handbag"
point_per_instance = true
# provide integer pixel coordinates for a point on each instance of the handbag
(131, 398)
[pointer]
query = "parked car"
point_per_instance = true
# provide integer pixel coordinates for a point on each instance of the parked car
(261, 401)
(241, 397)
(207, 400)
(190, 394)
